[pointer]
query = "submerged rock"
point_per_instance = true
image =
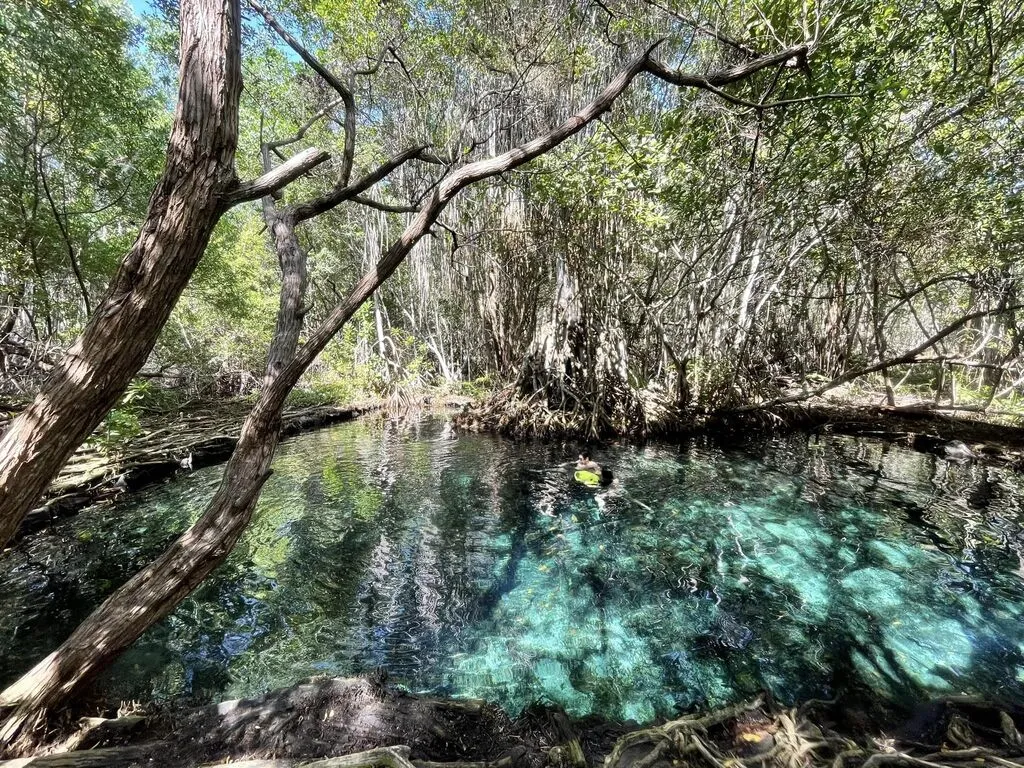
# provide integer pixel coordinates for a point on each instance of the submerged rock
(957, 450)
(727, 632)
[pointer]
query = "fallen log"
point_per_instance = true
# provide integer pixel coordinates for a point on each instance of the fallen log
(192, 440)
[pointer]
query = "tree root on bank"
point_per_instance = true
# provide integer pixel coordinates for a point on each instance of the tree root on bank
(190, 441)
(754, 734)
(787, 739)
(558, 410)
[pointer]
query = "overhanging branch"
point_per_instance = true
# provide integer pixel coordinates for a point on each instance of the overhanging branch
(793, 56)
(447, 189)
(331, 79)
(336, 196)
(911, 356)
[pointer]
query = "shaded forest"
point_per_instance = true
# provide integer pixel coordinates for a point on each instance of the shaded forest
(691, 249)
(595, 217)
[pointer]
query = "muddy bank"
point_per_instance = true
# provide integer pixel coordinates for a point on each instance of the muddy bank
(197, 438)
(958, 435)
(331, 717)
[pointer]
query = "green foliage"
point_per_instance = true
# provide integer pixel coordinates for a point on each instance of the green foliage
(119, 428)
(479, 388)
(122, 424)
(81, 138)
(909, 177)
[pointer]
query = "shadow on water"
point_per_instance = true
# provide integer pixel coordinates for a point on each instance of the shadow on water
(477, 567)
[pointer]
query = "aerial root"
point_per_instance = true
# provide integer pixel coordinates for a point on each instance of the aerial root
(555, 408)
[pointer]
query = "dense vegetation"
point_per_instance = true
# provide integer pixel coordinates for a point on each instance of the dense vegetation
(610, 215)
(687, 250)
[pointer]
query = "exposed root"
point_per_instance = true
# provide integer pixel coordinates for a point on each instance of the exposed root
(558, 410)
(751, 735)
(333, 723)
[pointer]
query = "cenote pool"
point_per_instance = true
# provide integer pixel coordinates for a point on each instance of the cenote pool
(474, 567)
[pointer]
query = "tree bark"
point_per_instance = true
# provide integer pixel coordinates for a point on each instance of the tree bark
(197, 186)
(182, 212)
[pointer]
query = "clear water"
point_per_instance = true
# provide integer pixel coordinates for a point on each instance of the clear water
(477, 567)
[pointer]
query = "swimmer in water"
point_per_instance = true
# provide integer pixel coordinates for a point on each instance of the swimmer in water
(590, 473)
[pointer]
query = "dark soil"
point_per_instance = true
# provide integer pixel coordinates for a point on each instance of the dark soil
(335, 716)
(331, 717)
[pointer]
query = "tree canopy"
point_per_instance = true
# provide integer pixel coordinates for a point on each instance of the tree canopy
(700, 247)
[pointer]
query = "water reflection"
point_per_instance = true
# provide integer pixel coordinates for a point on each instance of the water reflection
(476, 567)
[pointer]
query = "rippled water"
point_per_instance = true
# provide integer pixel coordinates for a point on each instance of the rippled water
(477, 567)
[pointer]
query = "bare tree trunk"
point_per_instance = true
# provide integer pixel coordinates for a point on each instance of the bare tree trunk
(879, 331)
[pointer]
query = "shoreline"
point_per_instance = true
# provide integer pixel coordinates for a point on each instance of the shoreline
(91, 477)
(209, 437)
(316, 722)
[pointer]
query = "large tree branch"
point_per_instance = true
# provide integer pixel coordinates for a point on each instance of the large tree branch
(277, 178)
(336, 196)
(793, 56)
(515, 157)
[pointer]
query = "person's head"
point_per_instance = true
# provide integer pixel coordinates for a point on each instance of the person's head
(585, 456)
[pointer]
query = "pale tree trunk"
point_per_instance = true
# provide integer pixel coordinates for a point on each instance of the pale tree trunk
(198, 184)
(154, 592)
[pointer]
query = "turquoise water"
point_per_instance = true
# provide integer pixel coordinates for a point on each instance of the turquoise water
(477, 567)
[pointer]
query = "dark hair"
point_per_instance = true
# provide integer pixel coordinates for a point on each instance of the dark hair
(585, 454)
(606, 476)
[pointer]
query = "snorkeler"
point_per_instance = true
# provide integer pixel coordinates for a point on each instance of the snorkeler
(590, 473)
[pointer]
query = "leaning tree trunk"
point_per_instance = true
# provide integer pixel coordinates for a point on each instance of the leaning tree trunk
(154, 593)
(184, 207)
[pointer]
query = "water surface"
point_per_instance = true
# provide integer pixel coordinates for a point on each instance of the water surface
(476, 567)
